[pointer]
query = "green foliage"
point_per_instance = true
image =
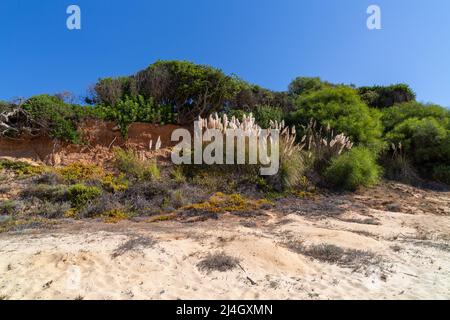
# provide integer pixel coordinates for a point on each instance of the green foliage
(79, 194)
(386, 96)
(78, 172)
(304, 85)
(128, 162)
(292, 170)
(20, 168)
(264, 113)
(423, 132)
(177, 175)
(341, 109)
(127, 110)
(442, 173)
(114, 183)
(55, 117)
(353, 169)
(401, 112)
(426, 141)
(190, 89)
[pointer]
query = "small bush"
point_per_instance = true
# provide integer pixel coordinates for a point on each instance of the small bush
(177, 199)
(51, 210)
(219, 261)
(49, 178)
(353, 169)
(10, 207)
(114, 216)
(113, 183)
(129, 163)
(79, 195)
(178, 175)
(80, 172)
(329, 253)
(20, 168)
(104, 203)
(234, 203)
(46, 192)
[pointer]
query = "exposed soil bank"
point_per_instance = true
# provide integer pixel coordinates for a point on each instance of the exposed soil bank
(99, 138)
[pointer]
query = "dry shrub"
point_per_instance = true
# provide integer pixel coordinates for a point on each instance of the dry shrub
(219, 261)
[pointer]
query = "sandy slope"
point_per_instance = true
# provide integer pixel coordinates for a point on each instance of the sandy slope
(83, 259)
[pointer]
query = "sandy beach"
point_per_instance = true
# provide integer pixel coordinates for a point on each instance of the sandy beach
(409, 257)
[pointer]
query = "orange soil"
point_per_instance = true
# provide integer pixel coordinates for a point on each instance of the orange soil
(99, 136)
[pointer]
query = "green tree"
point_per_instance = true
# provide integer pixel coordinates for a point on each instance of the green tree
(386, 96)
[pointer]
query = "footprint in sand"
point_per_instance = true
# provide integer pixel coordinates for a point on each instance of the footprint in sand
(73, 278)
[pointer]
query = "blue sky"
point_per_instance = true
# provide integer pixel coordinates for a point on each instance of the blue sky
(266, 42)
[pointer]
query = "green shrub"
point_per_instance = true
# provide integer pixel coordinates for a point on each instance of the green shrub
(55, 117)
(10, 207)
(423, 132)
(189, 88)
(177, 175)
(341, 109)
(426, 141)
(292, 170)
(264, 113)
(20, 168)
(78, 172)
(397, 114)
(353, 169)
(127, 110)
(80, 194)
(129, 163)
(442, 173)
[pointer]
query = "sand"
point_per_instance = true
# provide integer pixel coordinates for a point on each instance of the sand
(88, 260)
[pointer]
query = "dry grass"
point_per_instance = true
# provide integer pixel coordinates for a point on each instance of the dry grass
(350, 258)
(218, 261)
(136, 243)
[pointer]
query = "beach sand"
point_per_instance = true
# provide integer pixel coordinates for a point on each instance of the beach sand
(143, 260)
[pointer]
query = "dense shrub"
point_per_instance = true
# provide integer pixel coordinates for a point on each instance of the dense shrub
(341, 109)
(20, 168)
(78, 172)
(426, 141)
(423, 132)
(442, 173)
(80, 194)
(265, 113)
(386, 96)
(353, 169)
(127, 110)
(128, 162)
(392, 117)
(190, 89)
(55, 117)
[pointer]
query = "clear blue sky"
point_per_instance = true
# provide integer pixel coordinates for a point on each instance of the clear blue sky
(267, 42)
